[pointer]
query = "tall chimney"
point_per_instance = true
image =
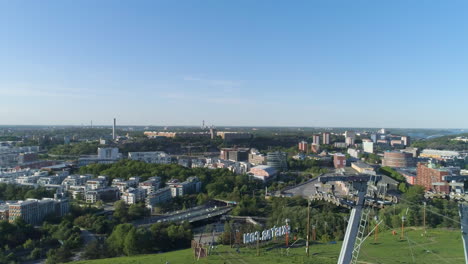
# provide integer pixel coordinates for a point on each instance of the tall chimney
(113, 130)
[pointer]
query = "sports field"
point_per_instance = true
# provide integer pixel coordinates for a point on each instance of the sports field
(437, 246)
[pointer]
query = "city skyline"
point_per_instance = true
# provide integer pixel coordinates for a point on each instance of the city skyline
(305, 64)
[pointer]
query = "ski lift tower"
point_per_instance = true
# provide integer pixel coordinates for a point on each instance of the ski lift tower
(355, 231)
(459, 183)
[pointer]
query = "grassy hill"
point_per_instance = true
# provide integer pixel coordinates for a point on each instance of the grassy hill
(437, 246)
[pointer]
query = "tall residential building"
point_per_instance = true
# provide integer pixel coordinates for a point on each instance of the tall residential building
(349, 141)
(303, 146)
(368, 146)
(278, 160)
(406, 140)
(316, 139)
(326, 138)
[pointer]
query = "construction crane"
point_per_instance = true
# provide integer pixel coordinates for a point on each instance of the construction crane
(459, 182)
(355, 232)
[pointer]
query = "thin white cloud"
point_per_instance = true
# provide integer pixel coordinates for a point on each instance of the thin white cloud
(29, 92)
(213, 82)
(188, 98)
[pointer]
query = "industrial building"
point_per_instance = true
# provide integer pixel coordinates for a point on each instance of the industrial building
(396, 159)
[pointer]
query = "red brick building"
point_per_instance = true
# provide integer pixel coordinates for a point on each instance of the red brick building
(303, 146)
(339, 161)
(427, 176)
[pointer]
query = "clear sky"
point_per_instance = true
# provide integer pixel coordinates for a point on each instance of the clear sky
(254, 63)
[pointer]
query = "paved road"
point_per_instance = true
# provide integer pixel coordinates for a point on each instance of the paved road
(309, 189)
(191, 215)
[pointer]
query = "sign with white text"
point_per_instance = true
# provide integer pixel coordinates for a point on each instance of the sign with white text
(267, 234)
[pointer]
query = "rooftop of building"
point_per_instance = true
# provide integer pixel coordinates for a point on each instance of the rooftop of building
(270, 170)
(362, 165)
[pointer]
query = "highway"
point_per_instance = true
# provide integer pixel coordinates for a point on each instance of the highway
(191, 215)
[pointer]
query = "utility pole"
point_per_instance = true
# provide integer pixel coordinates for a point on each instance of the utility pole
(403, 218)
(258, 243)
(376, 234)
(314, 234)
(308, 227)
(424, 217)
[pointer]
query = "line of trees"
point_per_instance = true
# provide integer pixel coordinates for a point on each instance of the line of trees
(19, 192)
(21, 242)
(129, 240)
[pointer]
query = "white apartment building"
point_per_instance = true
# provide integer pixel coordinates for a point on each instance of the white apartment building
(133, 195)
(160, 196)
(98, 183)
(151, 185)
(156, 157)
(190, 186)
(368, 146)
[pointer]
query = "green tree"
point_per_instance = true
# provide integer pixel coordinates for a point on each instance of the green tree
(35, 253)
(121, 211)
(131, 246)
(115, 241)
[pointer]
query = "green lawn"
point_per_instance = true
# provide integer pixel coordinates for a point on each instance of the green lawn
(438, 246)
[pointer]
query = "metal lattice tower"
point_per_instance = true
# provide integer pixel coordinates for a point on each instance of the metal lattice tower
(361, 235)
(355, 232)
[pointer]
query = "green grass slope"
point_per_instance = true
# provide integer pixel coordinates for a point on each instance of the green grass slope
(437, 246)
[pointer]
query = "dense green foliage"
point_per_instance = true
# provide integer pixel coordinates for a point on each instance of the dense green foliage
(9, 138)
(328, 219)
(444, 142)
(126, 239)
(392, 173)
(19, 192)
(96, 224)
(215, 182)
(75, 149)
(20, 241)
(125, 213)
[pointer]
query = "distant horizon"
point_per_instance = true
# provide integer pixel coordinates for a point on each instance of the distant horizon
(223, 126)
(398, 63)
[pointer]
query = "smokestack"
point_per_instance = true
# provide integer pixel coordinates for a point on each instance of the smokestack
(113, 130)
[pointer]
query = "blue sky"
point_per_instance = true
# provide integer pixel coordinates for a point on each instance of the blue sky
(254, 63)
